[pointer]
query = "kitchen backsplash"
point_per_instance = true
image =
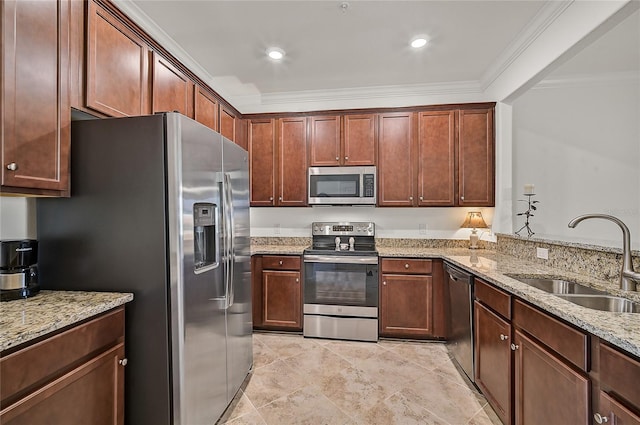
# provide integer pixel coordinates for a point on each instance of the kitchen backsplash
(596, 261)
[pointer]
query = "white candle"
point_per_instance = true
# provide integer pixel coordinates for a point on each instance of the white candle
(529, 189)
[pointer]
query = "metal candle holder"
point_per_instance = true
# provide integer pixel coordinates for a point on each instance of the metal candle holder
(528, 213)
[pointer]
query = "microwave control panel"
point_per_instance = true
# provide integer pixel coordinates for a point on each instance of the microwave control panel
(369, 185)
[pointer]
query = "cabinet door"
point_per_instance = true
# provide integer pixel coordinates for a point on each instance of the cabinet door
(396, 159)
(476, 158)
(406, 305)
(613, 412)
(282, 302)
(172, 90)
(35, 113)
(325, 141)
(117, 66)
(227, 124)
(436, 158)
(262, 155)
(359, 144)
(493, 360)
(93, 393)
(292, 162)
(547, 391)
(206, 109)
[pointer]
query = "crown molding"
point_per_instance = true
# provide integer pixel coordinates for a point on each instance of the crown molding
(589, 80)
(529, 34)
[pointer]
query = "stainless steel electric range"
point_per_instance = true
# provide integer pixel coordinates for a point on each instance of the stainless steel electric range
(341, 282)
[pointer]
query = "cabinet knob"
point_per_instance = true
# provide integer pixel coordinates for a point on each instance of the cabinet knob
(346, 158)
(280, 262)
(411, 198)
(271, 198)
(297, 280)
(123, 362)
(421, 198)
(13, 166)
(279, 198)
(600, 419)
(384, 282)
(514, 347)
(337, 158)
(462, 198)
(503, 337)
(406, 265)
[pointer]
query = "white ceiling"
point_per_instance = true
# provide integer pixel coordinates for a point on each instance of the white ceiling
(330, 51)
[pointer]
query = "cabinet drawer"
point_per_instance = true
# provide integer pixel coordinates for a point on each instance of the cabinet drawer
(499, 301)
(620, 373)
(281, 262)
(406, 265)
(39, 363)
(568, 342)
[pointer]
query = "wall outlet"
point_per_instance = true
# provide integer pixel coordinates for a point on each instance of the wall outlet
(422, 229)
(276, 229)
(542, 253)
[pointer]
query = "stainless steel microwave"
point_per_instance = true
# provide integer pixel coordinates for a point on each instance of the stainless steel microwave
(342, 185)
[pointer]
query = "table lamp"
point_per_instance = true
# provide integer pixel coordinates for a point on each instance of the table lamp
(474, 221)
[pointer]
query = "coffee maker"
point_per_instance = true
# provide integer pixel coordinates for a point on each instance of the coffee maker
(18, 269)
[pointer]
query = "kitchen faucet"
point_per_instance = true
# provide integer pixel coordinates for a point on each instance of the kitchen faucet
(628, 277)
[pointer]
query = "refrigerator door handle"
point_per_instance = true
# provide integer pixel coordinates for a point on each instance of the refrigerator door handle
(230, 247)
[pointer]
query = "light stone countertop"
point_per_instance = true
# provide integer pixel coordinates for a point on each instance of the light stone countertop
(620, 329)
(26, 319)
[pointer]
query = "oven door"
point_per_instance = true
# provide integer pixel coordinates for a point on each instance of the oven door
(341, 285)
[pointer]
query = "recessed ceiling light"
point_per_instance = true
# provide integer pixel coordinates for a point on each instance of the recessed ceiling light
(275, 53)
(416, 43)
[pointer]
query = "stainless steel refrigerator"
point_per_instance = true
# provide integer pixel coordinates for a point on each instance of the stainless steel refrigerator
(159, 207)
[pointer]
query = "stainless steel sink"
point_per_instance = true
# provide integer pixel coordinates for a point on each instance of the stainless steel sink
(557, 286)
(603, 302)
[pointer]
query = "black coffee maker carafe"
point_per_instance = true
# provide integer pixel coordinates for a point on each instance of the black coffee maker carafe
(18, 269)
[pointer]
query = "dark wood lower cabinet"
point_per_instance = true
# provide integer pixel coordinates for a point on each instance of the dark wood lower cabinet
(613, 412)
(546, 389)
(405, 305)
(281, 302)
(493, 366)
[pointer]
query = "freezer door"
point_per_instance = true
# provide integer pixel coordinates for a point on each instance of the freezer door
(239, 319)
(198, 293)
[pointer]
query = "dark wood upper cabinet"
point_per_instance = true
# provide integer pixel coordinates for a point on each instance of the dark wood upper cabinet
(359, 139)
(325, 141)
(476, 158)
(117, 66)
(36, 113)
(172, 89)
(396, 158)
(227, 124)
(205, 108)
(436, 158)
(343, 140)
(262, 158)
(292, 162)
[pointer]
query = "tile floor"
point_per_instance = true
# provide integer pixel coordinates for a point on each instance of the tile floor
(299, 380)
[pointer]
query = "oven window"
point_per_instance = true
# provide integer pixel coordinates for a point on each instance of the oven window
(341, 284)
(343, 185)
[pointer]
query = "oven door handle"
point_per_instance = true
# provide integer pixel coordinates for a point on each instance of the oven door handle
(338, 259)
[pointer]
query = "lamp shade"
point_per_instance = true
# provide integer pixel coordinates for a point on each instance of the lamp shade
(474, 220)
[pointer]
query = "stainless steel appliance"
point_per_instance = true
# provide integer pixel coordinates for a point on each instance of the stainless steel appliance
(342, 185)
(341, 282)
(460, 339)
(18, 269)
(160, 207)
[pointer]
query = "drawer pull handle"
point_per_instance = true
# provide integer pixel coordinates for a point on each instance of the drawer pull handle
(406, 266)
(600, 419)
(280, 262)
(123, 362)
(503, 337)
(514, 347)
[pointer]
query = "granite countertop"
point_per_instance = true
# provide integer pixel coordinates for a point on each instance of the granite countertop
(26, 319)
(619, 329)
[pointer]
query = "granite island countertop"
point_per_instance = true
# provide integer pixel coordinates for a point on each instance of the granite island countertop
(26, 319)
(619, 329)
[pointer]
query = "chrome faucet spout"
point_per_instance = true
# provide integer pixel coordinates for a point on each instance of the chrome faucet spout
(628, 277)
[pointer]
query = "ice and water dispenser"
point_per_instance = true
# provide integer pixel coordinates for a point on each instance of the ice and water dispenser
(204, 236)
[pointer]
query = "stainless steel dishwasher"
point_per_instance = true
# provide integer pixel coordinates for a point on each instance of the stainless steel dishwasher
(460, 332)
